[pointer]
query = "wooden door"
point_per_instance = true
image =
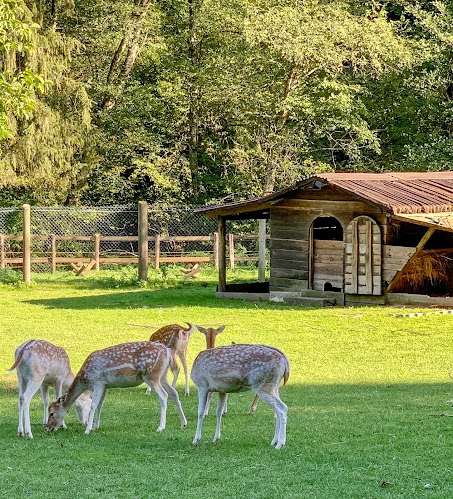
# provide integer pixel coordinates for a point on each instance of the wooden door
(363, 257)
(328, 265)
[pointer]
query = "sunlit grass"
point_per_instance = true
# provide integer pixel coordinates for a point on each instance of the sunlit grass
(367, 397)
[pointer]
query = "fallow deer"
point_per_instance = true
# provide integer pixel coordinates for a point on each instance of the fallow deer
(238, 368)
(119, 366)
(41, 364)
(211, 335)
(176, 338)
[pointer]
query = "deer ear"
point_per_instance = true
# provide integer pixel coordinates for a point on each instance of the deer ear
(220, 329)
(201, 329)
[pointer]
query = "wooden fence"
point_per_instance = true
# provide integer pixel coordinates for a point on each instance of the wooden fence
(11, 258)
(23, 255)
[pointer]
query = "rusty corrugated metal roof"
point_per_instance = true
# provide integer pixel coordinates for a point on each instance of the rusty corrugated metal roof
(407, 192)
(397, 192)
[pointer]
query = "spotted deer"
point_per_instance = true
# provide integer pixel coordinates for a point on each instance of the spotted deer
(176, 338)
(211, 335)
(236, 368)
(41, 364)
(119, 366)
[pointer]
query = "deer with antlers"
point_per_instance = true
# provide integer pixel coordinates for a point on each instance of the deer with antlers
(41, 364)
(120, 366)
(238, 368)
(211, 334)
(176, 338)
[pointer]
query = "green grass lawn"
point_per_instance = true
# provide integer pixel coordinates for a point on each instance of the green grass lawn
(368, 396)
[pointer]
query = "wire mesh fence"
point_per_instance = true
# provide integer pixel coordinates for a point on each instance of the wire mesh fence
(109, 234)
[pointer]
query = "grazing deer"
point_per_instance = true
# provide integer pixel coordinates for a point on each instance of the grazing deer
(40, 364)
(238, 368)
(176, 338)
(119, 366)
(211, 334)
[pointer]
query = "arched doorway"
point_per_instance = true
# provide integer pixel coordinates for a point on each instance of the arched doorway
(363, 257)
(326, 255)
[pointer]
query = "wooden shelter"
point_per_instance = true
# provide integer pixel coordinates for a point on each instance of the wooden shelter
(344, 238)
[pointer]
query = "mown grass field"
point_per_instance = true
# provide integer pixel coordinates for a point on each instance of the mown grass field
(369, 398)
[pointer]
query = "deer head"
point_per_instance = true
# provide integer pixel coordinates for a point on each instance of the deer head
(57, 412)
(210, 334)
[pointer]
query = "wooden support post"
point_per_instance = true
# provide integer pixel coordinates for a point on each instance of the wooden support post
(53, 258)
(216, 250)
(262, 250)
(355, 257)
(26, 246)
(143, 241)
(418, 248)
(222, 255)
(311, 257)
(97, 250)
(2, 251)
(157, 251)
(231, 249)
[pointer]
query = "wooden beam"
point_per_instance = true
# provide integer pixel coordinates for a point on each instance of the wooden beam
(143, 241)
(418, 248)
(26, 246)
(222, 254)
(262, 251)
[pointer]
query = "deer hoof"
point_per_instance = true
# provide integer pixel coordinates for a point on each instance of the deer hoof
(29, 435)
(160, 429)
(87, 431)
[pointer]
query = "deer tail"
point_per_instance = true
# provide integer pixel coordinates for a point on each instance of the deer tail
(19, 357)
(286, 373)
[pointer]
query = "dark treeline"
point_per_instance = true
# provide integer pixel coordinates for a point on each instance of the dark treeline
(108, 101)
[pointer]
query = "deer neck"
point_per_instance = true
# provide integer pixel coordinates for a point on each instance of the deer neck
(75, 389)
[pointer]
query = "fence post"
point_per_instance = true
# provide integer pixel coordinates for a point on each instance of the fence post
(222, 255)
(97, 250)
(157, 251)
(26, 247)
(216, 250)
(262, 250)
(143, 240)
(231, 250)
(2, 251)
(54, 253)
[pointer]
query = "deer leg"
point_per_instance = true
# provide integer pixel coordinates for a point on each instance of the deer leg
(202, 402)
(163, 396)
(208, 403)
(186, 374)
(254, 404)
(45, 401)
(22, 388)
(280, 410)
(98, 412)
(174, 396)
(175, 373)
(225, 405)
(220, 412)
(32, 388)
(97, 396)
(58, 389)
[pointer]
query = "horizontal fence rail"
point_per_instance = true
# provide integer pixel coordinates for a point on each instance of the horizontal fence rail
(42, 238)
(14, 258)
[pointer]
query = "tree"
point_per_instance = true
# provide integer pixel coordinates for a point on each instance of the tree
(18, 83)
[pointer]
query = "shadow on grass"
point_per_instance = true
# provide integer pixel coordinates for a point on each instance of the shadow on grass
(170, 297)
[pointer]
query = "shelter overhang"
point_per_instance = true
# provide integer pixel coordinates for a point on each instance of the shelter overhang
(441, 221)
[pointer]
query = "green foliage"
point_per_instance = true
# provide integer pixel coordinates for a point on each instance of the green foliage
(18, 84)
(192, 101)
